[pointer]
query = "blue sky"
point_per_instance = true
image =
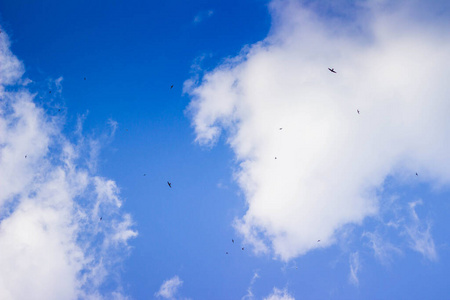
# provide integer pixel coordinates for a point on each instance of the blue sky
(241, 70)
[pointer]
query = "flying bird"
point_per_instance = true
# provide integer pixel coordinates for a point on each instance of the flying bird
(281, 128)
(145, 174)
(332, 70)
(49, 92)
(101, 218)
(226, 252)
(357, 111)
(275, 157)
(170, 185)
(416, 173)
(171, 86)
(26, 156)
(242, 248)
(318, 240)
(232, 241)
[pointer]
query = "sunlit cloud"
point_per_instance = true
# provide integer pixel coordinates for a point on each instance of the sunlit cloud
(52, 239)
(278, 294)
(169, 288)
(309, 163)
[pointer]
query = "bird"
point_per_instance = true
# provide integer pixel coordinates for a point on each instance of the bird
(417, 174)
(59, 109)
(26, 156)
(275, 157)
(126, 129)
(318, 240)
(170, 185)
(281, 128)
(232, 241)
(332, 70)
(49, 92)
(145, 174)
(101, 218)
(242, 248)
(171, 86)
(84, 78)
(357, 111)
(226, 252)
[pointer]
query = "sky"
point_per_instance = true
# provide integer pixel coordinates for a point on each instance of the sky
(288, 181)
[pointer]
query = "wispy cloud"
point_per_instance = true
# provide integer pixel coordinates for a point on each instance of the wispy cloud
(249, 294)
(383, 250)
(354, 268)
(169, 288)
(51, 204)
(278, 294)
(419, 233)
(323, 169)
(203, 15)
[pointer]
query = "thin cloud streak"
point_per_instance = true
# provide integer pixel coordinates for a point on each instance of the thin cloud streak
(331, 162)
(354, 268)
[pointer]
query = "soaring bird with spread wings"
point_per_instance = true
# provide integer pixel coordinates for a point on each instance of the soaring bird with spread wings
(332, 70)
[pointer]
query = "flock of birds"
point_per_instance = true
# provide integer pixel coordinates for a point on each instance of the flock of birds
(281, 128)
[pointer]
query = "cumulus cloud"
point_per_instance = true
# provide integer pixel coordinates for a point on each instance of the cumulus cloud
(327, 164)
(278, 294)
(51, 238)
(169, 288)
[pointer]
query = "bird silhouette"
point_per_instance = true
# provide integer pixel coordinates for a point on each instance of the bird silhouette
(232, 241)
(26, 156)
(84, 78)
(171, 86)
(318, 240)
(332, 70)
(281, 128)
(49, 92)
(101, 218)
(145, 174)
(170, 185)
(226, 252)
(242, 248)
(357, 111)
(417, 174)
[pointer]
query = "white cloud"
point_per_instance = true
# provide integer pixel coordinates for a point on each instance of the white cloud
(278, 294)
(51, 239)
(354, 268)
(331, 161)
(249, 294)
(383, 250)
(169, 288)
(419, 234)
